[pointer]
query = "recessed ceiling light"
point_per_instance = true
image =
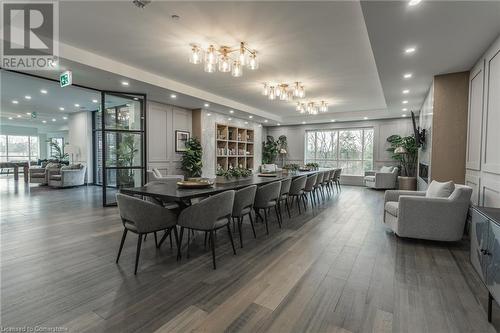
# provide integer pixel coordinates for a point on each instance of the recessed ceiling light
(28, 97)
(250, 117)
(260, 125)
(209, 114)
(246, 122)
(10, 118)
(65, 118)
(136, 98)
(15, 102)
(265, 120)
(43, 91)
(173, 96)
(44, 121)
(414, 2)
(278, 124)
(405, 102)
(410, 50)
(403, 115)
(303, 123)
(231, 111)
(95, 101)
(406, 91)
(333, 120)
(365, 118)
(77, 105)
(29, 114)
(125, 83)
(61, 108)
(53, 119)
(229, 119)
(408, 75)
(404, 109)
(18, 116)
(206, 105)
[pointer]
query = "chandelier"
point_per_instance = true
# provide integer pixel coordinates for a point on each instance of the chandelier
(284, 91)
(224, 59)
(312, 107)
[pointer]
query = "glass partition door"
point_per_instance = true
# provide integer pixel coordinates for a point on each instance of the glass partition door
(120, 138)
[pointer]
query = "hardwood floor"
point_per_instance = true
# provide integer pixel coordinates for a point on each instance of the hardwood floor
(333, 269)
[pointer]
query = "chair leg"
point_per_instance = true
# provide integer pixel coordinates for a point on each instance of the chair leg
(121, 244)
(212, 243)
(179, 255)
(205, 241)
(288, 208)
(251, 223)
(240, 222)
(265, 217)
(298, 203)
(189, 240)
(169, 230)
(304, 201)
(277, 215)
(170, 236)
(138, 253)
(156, 240)
(175, 234)
(231, 237)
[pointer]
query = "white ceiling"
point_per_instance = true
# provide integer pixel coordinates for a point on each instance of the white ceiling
(327, 45)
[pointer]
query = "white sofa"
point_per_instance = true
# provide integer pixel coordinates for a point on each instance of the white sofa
(418, 214)
(68, 176)
(385, 178)
(155, 175)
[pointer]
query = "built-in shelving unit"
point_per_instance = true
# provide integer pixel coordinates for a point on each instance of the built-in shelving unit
(234, 146)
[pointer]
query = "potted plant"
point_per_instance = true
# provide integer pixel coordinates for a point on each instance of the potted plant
(404, 149)
(269, 150)
(191, 162)
(57, 151)
(312, 166)
(292, 168)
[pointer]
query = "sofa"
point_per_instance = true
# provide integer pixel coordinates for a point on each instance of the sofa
(68, 176)
(385, 178)
(41, 174)
(433, 214)
(155, 175)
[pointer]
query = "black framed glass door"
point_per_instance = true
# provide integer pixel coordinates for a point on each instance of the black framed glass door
(121, 143)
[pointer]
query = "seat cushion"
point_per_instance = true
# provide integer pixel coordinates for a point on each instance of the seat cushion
(370, 178)
(55, 177)
(38, 175)
(440, 190)
(392, 207)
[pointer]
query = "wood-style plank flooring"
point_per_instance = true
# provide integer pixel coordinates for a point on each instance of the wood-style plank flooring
(334, 268)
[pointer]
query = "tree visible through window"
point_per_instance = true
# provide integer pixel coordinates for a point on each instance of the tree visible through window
(349, 149)
(18, 148)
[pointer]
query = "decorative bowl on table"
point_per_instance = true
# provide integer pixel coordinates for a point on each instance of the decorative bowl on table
(304, 169)
(195, 183)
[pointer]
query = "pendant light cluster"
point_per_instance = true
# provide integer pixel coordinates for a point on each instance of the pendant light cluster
(312, 107)
(284, 91)
(224, 59)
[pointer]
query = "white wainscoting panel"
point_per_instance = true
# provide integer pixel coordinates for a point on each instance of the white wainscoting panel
(491, 157)
(474, 182)
(475, 117)
(491, 194)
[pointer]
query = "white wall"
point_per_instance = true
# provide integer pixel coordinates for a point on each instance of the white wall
(208, 125)
(80, 138)
(425, 122)
(382, 130)
(162, 122)
(483, 137)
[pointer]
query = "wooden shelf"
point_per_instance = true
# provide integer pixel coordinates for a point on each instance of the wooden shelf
(233, 143)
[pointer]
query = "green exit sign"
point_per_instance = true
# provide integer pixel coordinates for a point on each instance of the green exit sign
(66, 79)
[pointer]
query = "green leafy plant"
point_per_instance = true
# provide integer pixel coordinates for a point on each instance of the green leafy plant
(234, 172)
(407, 161)
(191, 162)
(127, 150)
(292, 167)
(57, 151)
(312, 165)
(271, 148)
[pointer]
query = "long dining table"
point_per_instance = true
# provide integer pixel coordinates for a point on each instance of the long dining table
(169, 191)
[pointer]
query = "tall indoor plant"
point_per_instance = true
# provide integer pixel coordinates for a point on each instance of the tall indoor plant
(406, 155)
(271, 148)
(191, 162)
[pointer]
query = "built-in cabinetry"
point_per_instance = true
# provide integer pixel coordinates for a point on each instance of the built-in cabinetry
(483, 135)
(485, 249)
(234, 147)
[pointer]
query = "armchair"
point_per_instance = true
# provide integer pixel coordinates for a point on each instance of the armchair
(414, 215)
(155, 175)
(68, 176)
(38, 175)
(384, 179)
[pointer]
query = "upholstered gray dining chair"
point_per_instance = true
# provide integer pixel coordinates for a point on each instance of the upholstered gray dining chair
(243, 204)
(326, 180)
(267, 197)
(336, 178)
(318, 186)
(309, 189)
(297, 190)
(142, 217)
(208, 215)
(285, 189)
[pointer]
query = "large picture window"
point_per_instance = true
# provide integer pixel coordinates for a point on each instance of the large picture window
(350, 149)
(18, 148)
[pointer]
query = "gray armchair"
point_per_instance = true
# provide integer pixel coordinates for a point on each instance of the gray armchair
(412, 214)
(384, 179)
(38, 175)
(67, 176)
(208, 215)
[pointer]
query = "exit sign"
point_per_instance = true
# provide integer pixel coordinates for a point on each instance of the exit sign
(66, 79)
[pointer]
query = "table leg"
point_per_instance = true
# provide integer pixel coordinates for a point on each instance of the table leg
(26, 173)
(16, 173)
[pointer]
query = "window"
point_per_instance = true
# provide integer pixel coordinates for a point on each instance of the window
(59, 142)
(18, 148)
(349, 149)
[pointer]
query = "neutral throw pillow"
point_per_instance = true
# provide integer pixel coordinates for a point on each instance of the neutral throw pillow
(157, 172)
(386, 169)
(440, 190)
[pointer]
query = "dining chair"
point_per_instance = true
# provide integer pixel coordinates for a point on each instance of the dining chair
(208, 215)
(336, 178)
(285, 189)
(296, 191)
(267, 197)
(242, 206)
(143, 217)
(318, 187)
(326, 180)
(309, 189)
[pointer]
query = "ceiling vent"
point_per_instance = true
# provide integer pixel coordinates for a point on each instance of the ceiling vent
(141, 3)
